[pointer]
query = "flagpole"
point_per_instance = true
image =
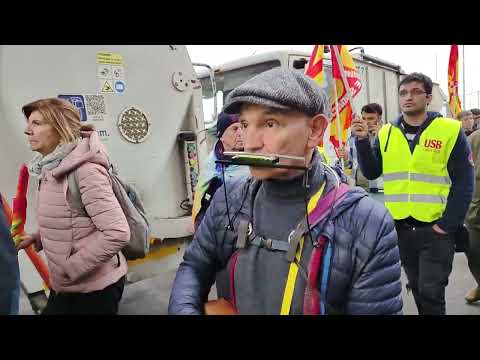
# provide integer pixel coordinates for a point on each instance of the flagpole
(337, 121)
(344, 77)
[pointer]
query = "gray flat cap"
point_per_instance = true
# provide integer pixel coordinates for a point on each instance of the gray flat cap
(282, 89)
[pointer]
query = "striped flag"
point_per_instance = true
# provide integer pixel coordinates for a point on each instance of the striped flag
(344, 107)
(19, 211)
(315, 69)
(19, 217)
(315, 66)
(453, 98)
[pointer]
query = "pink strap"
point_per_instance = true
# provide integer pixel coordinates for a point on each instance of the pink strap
(327, 203)
(311, 300)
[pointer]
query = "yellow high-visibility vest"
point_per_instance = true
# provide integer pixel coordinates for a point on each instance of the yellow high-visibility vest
(418, 184)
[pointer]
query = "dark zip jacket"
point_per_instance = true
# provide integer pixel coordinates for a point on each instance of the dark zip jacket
(364, 276)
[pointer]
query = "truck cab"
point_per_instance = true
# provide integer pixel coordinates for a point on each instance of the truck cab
(379, 78)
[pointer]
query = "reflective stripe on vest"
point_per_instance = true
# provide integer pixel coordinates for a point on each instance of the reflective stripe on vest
(418, 184)
(431, 199)
(434, 179)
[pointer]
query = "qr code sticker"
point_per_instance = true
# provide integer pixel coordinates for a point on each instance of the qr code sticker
(95, 105)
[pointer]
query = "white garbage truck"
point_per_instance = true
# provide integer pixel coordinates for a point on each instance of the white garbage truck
(146, 105)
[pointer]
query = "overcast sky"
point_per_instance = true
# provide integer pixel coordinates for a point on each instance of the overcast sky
(410, 57)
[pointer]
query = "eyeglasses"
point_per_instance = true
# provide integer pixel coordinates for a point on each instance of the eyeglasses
(415, 92)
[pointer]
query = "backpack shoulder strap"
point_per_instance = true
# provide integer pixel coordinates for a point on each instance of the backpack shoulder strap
(245, 225)
(326, 203)
(76, 196)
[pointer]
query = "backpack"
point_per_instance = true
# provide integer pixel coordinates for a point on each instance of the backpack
(132, 207)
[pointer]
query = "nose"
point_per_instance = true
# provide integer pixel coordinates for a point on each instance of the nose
(27, 130)
(252, 139)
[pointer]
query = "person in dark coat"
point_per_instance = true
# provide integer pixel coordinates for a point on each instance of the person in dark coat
(284, 112)
(9, 270)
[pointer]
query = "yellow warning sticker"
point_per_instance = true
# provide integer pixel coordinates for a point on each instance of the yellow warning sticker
(109, 58)
(106, 87)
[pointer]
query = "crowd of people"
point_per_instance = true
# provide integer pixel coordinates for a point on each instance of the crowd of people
(288, 238)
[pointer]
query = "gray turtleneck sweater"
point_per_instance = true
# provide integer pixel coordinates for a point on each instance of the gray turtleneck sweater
(261, 274)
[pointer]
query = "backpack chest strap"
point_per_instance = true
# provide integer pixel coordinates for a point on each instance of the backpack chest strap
(270, 244)
(246, 237)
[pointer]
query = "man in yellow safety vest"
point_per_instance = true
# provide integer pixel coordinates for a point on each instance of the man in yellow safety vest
(428, 184)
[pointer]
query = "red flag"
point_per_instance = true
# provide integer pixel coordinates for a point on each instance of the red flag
(20, 206)
(19, 217)
(315, 65)
(453, 98)
(355, 85)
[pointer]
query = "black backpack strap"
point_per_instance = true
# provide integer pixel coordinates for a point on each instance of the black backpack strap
(242, 233)
(294, 239)
(213, 186)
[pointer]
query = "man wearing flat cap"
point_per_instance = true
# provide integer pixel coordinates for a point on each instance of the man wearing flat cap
(293, 238)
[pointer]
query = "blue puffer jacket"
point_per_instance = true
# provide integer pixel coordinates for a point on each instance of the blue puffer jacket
(365, 265)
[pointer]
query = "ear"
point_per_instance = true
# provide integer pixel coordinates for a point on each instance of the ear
(318, 125)
(429, 99)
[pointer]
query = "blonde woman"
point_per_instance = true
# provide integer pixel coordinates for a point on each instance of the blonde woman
(83, 249)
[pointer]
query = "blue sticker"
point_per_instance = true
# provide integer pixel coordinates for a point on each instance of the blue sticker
(79, 102)
(119, 86)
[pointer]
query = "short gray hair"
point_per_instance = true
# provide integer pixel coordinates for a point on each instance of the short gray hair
(463, 113)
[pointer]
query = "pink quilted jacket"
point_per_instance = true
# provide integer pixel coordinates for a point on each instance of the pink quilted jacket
(82, 251)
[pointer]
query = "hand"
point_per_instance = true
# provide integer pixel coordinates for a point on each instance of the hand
(359, 127)
(373, 129)
(438, 230)
(27, 240)
(219, 307)
(342, 154)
